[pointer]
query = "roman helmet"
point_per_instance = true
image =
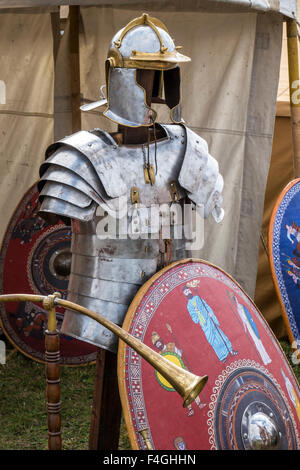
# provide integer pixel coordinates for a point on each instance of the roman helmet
(141, 69)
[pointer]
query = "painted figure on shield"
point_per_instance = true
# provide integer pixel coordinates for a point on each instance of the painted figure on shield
(250, 328)
(293, 234)
(202, 314)
(173, 354)
(295, 276)
(292, 393)
(292, 269)
(29, 223)
(30, 319)
(179, 443)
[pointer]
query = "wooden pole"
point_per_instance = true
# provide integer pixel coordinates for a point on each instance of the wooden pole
(106, 409)
(52, 356)
(294, 86)
(74, 17)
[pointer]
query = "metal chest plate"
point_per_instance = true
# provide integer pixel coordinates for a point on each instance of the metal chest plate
(102, 187)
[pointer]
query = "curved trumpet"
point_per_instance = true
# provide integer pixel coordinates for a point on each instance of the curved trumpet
(187, 384)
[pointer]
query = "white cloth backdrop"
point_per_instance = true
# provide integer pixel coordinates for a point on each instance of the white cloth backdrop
(26, 113)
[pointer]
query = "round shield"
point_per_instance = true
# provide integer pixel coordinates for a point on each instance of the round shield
(35, 259)
(284, 256)
(197, 316)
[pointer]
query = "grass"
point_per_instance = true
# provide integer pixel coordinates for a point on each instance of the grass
(22, 404)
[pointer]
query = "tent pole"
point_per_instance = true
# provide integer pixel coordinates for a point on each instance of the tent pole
(294, 85)
(74, 16)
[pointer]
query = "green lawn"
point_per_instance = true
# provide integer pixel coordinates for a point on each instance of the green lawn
(22, 404)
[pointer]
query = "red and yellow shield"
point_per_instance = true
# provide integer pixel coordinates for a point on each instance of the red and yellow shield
(197, 316)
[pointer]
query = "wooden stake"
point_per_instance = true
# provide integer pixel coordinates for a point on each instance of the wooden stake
(294, 85)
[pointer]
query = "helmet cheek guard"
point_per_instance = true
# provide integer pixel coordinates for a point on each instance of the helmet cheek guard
(172, 93)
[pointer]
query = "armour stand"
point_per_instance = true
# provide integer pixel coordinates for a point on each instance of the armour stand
(106, 409)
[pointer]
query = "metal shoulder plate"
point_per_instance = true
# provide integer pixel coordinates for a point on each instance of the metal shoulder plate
(200, 177)
(69, 184)
(88, 169)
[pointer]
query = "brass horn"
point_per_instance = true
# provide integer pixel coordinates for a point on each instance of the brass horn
(187, 384)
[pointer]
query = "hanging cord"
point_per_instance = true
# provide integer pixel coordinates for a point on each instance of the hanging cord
(144, 155)
(146, 160)
(155, 147)
(264, 244)
(148, 155)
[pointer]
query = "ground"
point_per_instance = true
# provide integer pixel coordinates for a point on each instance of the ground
(23, 411)
(22, 404)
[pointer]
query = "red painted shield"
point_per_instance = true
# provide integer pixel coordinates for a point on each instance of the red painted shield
(34, 260)
(197, 316)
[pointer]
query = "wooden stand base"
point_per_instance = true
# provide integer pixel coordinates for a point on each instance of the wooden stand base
(107, 409)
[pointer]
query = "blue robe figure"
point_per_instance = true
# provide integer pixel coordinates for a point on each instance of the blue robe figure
(202, 314)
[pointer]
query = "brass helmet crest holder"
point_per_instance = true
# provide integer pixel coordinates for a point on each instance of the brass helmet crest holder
(187, 384)
(160, 60)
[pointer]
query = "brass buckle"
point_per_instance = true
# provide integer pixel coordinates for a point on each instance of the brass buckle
(174, 191)
(135, 195)
(149, 174)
